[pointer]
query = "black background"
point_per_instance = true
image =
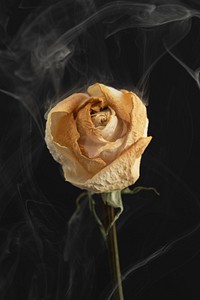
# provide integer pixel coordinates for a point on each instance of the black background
(48, 250)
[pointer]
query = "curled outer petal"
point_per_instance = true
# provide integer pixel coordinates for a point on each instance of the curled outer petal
(122, 172)
(119, 101)
(61, 138)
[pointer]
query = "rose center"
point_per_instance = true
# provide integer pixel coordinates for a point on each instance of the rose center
(101, 118)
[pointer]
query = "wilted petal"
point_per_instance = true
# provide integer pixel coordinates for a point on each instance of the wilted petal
(86, 127)
(139, 122)
(111, 150)
(122, 172)
(114, 129)
(61, 130)
(96, 142)
(119, 101)
(111, 131)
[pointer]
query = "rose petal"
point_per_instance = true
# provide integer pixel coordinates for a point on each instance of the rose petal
(113, 176)
(111, 150)
(119, 101)
(72, 169)
(93, 141)
(139, 122)
(114, 129)
(111, 130)
(107, 151)
(86, 127)
(61, 130)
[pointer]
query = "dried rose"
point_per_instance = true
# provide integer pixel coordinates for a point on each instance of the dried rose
(99, 138)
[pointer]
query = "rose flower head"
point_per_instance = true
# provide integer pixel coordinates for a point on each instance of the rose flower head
(99, 137)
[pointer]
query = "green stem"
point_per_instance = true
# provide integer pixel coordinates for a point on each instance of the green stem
(113, 252)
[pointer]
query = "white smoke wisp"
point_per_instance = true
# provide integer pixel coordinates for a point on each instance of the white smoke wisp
(50, 50)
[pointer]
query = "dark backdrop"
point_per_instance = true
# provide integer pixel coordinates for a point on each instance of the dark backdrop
(50, 49)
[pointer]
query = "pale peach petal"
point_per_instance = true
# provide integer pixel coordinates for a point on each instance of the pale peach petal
(85, 126)
(122, 172)
(119, 101)
(139, 122)
(107, 151)
(111, 150)
(61, 128)
(73, 171)
(138, 117)
(94, 142)
(97, 103)
(111, 131)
